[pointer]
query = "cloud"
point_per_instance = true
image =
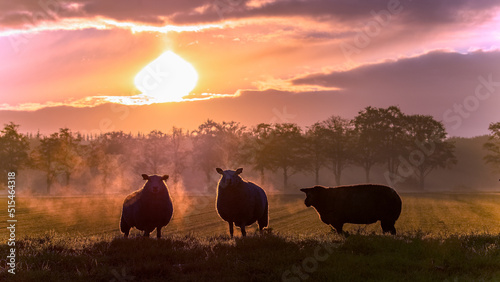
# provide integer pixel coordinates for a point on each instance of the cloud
(438, 68)
(462, 90)
(426, 12)
(95, 101)
(18, 14)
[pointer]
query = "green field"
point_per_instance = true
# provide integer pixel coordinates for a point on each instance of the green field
(441, 237)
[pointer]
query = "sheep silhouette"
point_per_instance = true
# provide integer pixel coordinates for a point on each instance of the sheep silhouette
(358, 204)
(241, 202)
(147, 208)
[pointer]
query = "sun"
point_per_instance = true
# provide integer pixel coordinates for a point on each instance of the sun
(167, 79)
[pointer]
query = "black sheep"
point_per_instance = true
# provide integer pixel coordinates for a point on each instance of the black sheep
(241, 202)
(147, 208)
(358, 204)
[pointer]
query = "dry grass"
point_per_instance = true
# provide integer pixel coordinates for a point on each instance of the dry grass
(441, 237)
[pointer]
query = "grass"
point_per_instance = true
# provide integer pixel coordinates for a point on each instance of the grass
(441, 237)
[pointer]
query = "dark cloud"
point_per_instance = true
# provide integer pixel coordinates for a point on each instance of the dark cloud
(432, 69)
(439, 83)
(424, 13)
(17, 13)
(141, 11)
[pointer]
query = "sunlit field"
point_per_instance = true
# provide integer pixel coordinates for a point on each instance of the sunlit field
(435, 214)
(453, 237)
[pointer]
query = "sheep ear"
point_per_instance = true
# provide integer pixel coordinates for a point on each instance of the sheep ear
(219, 170)
(145, 177)
(165, 177)
(305, 190)
(239, 170)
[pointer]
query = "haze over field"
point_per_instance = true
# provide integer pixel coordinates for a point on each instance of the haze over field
(65, 62)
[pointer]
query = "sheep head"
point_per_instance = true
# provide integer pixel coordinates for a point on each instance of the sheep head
(229, 177)
(313, 195)
(155, 183)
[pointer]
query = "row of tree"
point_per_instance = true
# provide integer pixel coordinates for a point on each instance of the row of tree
(408, 146)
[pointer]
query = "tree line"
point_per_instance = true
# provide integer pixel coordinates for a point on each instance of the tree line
(410, 147)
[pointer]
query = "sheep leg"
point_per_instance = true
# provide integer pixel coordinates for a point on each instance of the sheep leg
(124, 227)
(243, 231)
(388, 227)
(158, 232)
(231, 230)
(338, 227)
(264, 220)
(146, 233)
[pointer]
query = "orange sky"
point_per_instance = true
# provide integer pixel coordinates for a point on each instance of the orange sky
(313, 58)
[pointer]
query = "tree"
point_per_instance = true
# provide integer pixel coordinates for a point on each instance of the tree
(60, 153)
(152, 155)
(99, 161)
(69, 155)
(108, 155)
(178, 152)
(369, 137)
(230, 134)
(215, 145)
(380, 137)
(392, 126)
(286, 150)
(255, 147)
(45, 157)
(317, 144)
(493, 146)
(14, 149)
(339, 134)
(428, 148)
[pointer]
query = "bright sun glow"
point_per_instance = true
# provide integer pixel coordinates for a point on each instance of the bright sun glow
(167, 79)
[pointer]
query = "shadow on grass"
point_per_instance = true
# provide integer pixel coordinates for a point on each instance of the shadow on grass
(267, 257)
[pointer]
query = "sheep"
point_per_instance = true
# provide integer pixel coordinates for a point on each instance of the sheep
(241, 202)
(147, 208)
(358, 204)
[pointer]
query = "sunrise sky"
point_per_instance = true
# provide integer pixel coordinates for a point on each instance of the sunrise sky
(62, 63)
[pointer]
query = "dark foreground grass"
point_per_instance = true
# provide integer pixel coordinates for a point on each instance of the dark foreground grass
(268, 257)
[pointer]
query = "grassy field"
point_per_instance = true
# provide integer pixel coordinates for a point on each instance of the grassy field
(441, 237)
